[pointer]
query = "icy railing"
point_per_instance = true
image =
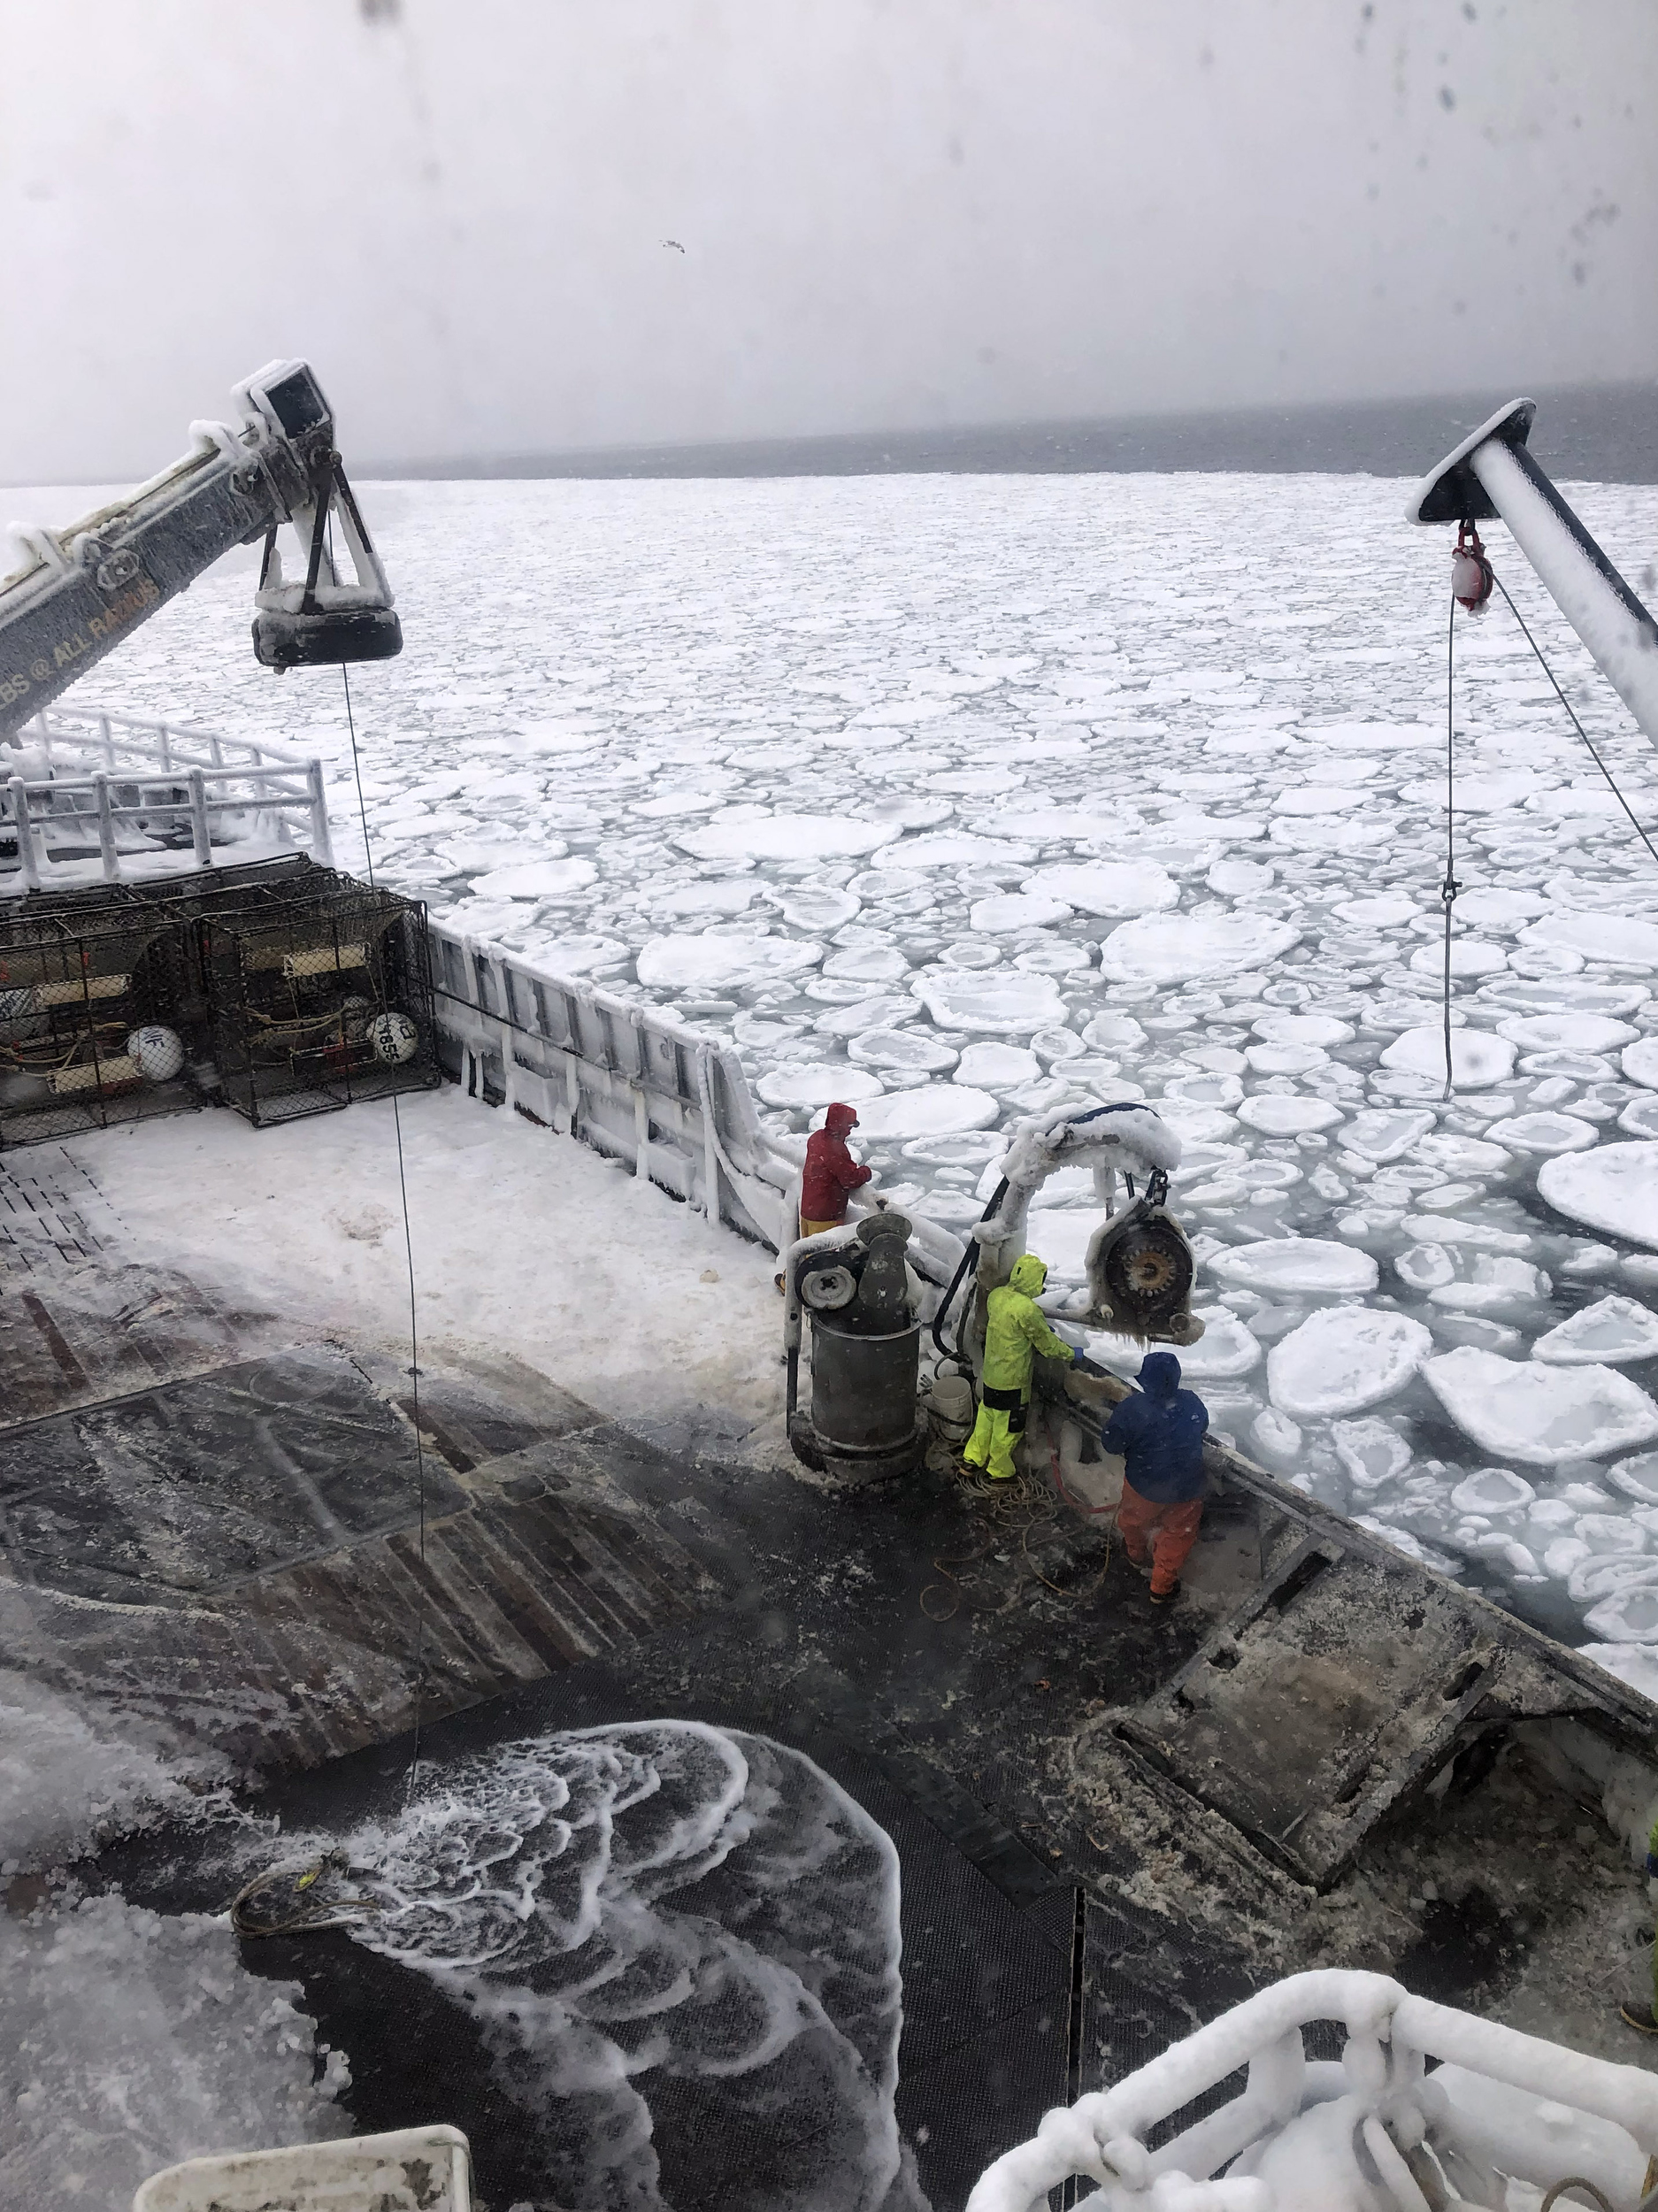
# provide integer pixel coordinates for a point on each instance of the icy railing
(90, 796)
(634, 1082)
(1373, 2128)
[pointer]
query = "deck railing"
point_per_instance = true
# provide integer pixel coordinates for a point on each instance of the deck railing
(116, 786)
(633, 1081)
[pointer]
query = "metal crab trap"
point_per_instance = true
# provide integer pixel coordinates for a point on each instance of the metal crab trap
(102, 1017)
(320, 989)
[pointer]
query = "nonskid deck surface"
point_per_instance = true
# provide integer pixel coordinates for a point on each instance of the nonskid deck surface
(213, 1519)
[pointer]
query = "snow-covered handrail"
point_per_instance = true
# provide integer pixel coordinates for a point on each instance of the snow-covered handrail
(635, 1081)
(1589, 2116)
(85, 793)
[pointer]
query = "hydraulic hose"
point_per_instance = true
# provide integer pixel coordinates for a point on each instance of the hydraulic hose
(970, 1253)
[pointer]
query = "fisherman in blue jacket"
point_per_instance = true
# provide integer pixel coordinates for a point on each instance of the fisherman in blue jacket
(1158, 1432)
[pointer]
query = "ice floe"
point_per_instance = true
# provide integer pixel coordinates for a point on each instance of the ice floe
(1540, 1415)
(1105, 887)
(1179, 949)
(736, 835)
(1615, 1328)
(933, 1110)
(1477, 1058)
(1615, 1187)
(1013, 1004)
(723, 958)
(1308, 1264)
(1344, 1358)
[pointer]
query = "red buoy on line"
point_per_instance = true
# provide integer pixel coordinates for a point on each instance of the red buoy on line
(1471, 577)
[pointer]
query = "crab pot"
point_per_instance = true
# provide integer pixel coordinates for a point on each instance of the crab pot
(863, 1392)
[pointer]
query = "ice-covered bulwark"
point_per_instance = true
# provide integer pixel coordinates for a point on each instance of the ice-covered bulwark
(664, 1920)
(1505, 2104)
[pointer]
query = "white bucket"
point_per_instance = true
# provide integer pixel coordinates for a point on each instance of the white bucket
(950, 1407)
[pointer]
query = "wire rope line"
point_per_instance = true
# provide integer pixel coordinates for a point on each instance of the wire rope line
(414, 1330)
(1449, 888)
(1571, 710)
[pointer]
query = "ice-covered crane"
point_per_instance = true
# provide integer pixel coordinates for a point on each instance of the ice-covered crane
(81, 590)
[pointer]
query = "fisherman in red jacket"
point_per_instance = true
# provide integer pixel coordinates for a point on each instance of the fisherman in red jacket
(830, 1174)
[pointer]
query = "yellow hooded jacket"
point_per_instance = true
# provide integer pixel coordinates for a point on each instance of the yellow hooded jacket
(1015, 1329)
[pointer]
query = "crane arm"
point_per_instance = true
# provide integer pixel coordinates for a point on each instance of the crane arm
(83, 589)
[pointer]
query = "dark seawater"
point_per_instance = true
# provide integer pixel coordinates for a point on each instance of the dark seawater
(1595, 433)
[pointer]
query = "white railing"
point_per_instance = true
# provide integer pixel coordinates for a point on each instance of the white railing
(112, 784)
(633, 1081)
(1533, 2109)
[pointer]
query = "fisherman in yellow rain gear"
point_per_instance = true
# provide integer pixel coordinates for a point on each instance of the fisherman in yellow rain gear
(1014, 1332)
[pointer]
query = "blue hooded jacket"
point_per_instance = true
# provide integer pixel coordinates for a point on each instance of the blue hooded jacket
(1158, 1431)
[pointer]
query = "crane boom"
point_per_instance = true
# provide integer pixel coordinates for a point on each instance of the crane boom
(83, 589)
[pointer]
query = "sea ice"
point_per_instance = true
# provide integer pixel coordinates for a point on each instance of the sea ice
(1613, 1329)
(1226, 1348)
(1495, 1281)
(900, 1052)
(1637, 1478)
(1622, 939)
(1477, 1058)
(818, 1083)
(1492, 1490)
(1344, 1358)
(1382, 913)
(1179, 949)
(1640, 1062)
(1384, 1133)
(1113, 1033)
(736, 835)
(536, 879)
(1469, 956)
(1015, 910)
(1501, 909)
(1319, 1030)
(1565, 1033)
(1287, 1117)
(1105, 887)
(1522, 1410)
(1425, 1266)
(1615, 1188)
(1372, 1454)
(721, 894)
(931, 1109)
(858, 1016)
(998, 1067)
(1014, 1004)
(818, 908)
(723, 957)
(1630, 1616)
(1309, 1264)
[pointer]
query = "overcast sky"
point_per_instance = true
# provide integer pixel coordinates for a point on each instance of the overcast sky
(893, 212)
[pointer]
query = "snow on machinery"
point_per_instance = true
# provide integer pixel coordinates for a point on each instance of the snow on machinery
(82, 589)
(1139, 1268)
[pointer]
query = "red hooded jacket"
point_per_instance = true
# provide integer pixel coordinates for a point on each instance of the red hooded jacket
(830, 1171)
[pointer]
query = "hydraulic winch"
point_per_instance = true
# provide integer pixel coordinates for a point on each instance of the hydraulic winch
(1139, 1265)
